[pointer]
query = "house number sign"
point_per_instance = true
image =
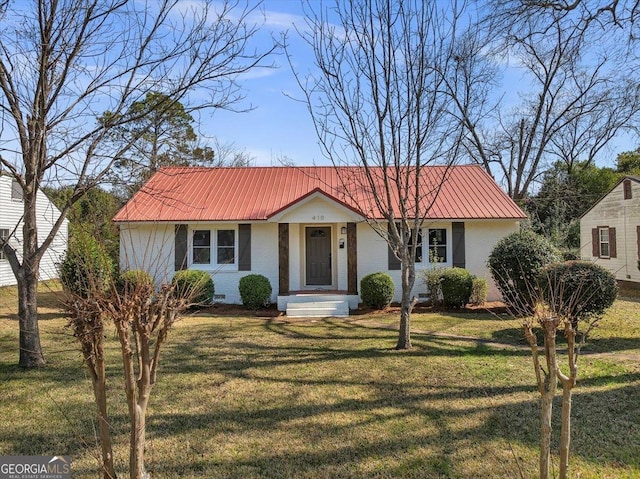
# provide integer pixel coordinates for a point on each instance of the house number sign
(317, 217)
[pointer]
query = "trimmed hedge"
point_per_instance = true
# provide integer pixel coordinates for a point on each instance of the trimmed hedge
(87, 268)
(515, 262)
(578, 289)
(376, 290)
(194, 284)
(432, 280)
(479, 291)
(456, 286)
(134, 278)
(255, 291)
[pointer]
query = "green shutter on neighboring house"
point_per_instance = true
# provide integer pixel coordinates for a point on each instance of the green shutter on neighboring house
(457, 233)
(180, 248)
(244, 245)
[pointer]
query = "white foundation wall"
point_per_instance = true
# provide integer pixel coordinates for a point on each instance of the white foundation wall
(480, 238)
(613, 211)
(11, 212)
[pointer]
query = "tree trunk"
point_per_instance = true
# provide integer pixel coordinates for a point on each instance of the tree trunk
(138, 436)
(100, 393)
(548, 393)
(407, 304)
(565, 431)
(30, 348)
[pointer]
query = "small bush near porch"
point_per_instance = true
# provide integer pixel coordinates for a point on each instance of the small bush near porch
(246, 397)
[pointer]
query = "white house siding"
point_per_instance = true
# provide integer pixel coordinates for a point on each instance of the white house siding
(151, 247)
(480, 238)
(11, 212)
(614, 211)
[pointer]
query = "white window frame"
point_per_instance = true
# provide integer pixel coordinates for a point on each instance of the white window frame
(4, 235)
(213, 245)
(445, 259)
(17, 194)
(603, 239)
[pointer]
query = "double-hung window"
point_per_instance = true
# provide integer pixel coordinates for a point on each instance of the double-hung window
(605, 250)
(226, 246)
(202, 247)
(221, 242)
(418, 250)
(437, 245)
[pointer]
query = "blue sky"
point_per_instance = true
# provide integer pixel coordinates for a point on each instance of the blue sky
(278, 126)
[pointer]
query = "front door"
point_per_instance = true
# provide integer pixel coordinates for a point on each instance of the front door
(318, 256)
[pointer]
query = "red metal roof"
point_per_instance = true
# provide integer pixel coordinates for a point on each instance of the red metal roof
(189, 194)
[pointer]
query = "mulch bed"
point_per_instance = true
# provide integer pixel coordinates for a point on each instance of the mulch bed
(219, 309)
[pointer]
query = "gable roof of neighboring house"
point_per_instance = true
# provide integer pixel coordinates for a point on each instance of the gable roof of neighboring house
(190, 194)
(626, 177)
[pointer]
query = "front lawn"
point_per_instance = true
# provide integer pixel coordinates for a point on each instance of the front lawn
(246, 397)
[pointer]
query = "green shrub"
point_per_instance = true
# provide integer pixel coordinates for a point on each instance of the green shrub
(134, 278)
(456, 286)
(196, 285)
(87, 268)
(376, 290)
(515, 263)
(255, 291)
(570, 255)
(479, 291)
(578, 289)
(432, 280)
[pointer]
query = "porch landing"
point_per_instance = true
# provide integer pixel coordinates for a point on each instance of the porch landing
(317, 303)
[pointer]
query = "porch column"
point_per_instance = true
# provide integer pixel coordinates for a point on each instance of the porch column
(283, 259)
(352, 259)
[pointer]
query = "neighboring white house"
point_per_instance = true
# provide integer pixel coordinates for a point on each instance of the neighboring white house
(297, 227)
(11, 211)
(610, 230)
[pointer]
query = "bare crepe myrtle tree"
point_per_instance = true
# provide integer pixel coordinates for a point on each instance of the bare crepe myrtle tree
(376, 102)
(63, 63)
(143, 316)
(571, 298)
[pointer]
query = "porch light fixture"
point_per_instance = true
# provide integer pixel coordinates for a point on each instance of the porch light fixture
(343, 230)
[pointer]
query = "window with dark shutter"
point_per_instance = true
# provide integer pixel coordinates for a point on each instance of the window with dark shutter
(613, 250)
(180, 248)
(244, 247)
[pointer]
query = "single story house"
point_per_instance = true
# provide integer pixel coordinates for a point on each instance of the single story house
(11, 213)
(610, 230)
(304, 228)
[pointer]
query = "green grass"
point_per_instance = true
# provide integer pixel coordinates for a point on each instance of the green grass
(245, 397)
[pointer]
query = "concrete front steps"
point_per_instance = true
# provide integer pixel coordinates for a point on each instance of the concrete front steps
(317, 305)
(318, 309)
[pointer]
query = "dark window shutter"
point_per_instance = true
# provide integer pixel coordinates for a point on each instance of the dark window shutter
(457, 233)
(180, 248)
(595, 243)
(394, 262)
(613, 251)
(638, 239)
(244, 245)
(627, 189)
